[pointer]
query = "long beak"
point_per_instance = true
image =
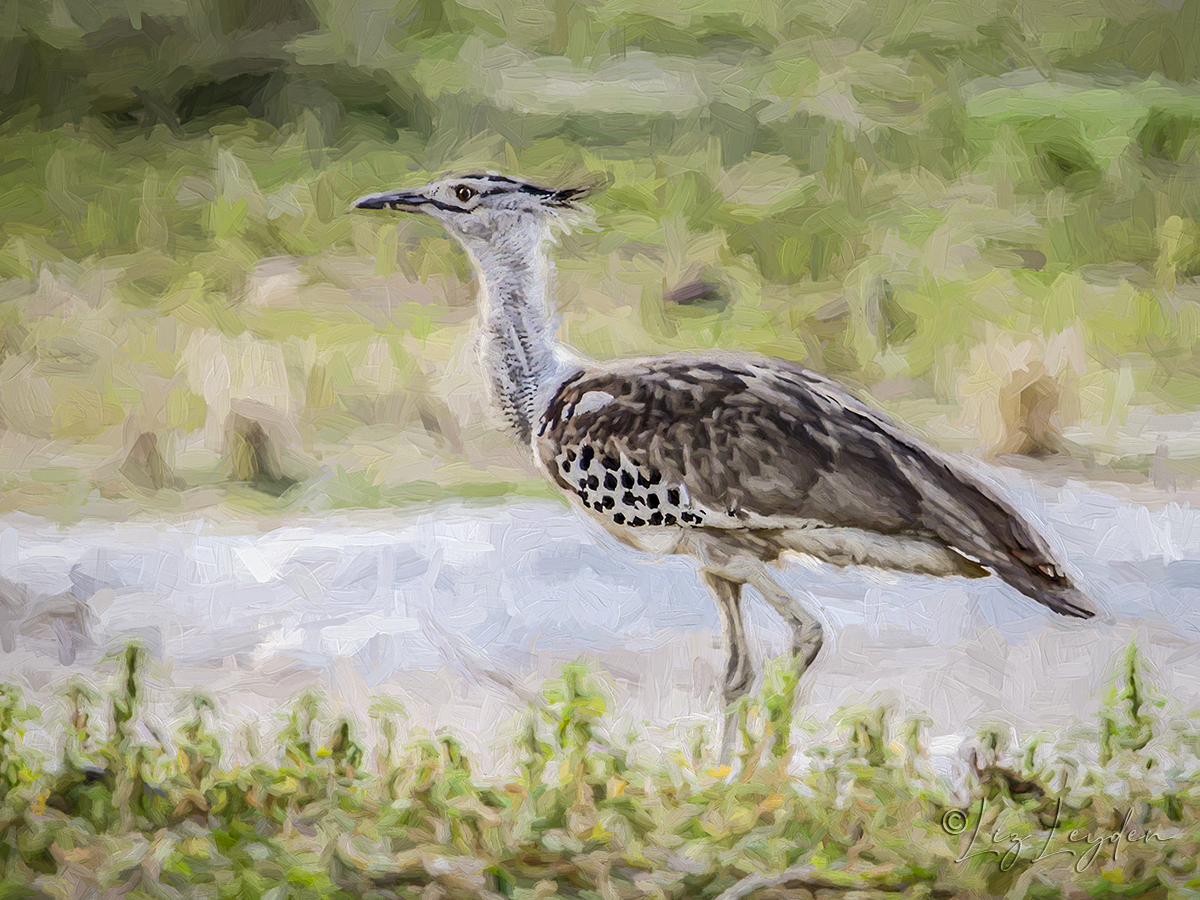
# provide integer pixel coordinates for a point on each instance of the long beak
(409, 201)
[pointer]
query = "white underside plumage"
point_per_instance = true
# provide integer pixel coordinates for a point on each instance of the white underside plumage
(816, 541)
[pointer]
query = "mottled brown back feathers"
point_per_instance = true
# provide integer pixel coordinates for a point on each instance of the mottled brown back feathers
(754, 438)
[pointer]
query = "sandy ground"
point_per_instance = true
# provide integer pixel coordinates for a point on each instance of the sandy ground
(462, 612)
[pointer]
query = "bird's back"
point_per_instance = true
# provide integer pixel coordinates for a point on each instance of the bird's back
(767, 454)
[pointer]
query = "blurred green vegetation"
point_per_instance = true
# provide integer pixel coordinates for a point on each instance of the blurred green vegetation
(985, 214)
(381, 809)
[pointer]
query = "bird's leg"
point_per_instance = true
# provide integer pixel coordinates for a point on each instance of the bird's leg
(807, 632)
(738, 671)
(737, 568)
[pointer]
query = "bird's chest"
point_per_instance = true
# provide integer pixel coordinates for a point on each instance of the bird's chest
(633, 502)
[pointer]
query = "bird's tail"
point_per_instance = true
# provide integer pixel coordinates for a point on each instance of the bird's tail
(961, 512)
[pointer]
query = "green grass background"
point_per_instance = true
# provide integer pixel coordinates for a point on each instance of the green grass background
(983, 215)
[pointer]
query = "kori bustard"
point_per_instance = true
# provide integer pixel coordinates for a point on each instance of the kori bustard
(733, 458)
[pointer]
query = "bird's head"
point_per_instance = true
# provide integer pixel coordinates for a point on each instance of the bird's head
(484, 209)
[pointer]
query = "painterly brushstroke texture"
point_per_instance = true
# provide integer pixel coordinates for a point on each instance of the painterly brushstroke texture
(982, 216)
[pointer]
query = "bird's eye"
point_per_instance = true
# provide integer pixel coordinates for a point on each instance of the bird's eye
(463, 193)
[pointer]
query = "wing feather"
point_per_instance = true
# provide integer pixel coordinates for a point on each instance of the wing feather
(761, 438)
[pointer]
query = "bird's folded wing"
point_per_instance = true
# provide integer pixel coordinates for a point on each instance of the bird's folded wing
(746, 441)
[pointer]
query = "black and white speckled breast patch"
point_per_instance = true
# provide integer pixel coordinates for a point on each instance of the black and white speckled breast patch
(626, 493)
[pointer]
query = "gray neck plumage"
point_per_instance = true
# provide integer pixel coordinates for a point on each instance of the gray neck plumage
(522, 358)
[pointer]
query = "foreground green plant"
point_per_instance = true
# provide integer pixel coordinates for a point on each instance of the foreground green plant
(582, 815)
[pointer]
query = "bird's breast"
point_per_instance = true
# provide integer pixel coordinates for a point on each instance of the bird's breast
(618, 489)
(635, 503)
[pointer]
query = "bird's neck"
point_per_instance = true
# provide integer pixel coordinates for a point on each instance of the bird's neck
(522, 357)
